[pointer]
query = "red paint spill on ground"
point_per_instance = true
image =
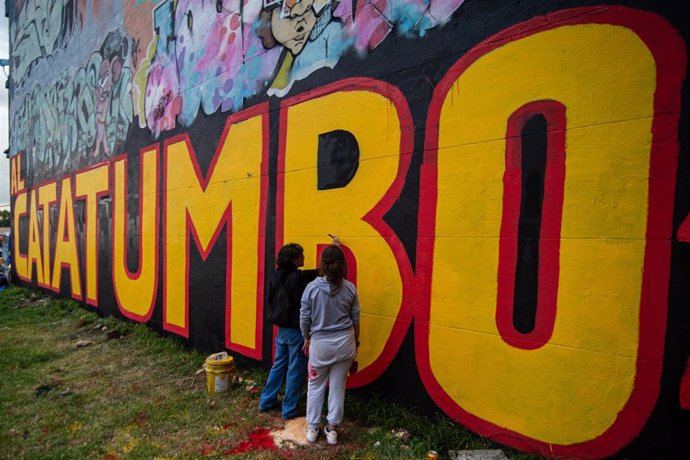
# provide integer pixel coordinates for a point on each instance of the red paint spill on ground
(685, 388)
(259, 439)
(207, 449)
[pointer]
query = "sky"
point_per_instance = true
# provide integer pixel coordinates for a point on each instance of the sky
(4, 114)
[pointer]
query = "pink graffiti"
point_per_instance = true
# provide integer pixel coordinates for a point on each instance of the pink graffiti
(159, 111)
(212, 59)
(162, 101)
(370, 21)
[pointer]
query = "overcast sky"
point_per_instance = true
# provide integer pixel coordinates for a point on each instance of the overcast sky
(4, 95)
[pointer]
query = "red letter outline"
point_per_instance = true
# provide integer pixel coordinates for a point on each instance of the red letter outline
(668, 49)
(374, 217)
(256, 353)
(550, 235)
(135, 276)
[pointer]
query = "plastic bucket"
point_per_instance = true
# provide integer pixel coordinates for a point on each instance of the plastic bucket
(219, 369)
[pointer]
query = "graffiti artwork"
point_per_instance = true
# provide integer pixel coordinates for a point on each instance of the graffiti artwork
(509, 182)
(79, 118)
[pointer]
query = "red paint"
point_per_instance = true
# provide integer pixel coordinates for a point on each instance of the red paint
(685, 388)
(47, 260)
(550, 234)
(16, 218)
(16, 182)
(260, 439)
(33, 261)
(374, 217)
(136, 275)
(225, 221)
(46, 212)
(683, 233)
(668, 49)
(257, 353)
(207, 449)
(65, 238)
(97, 197)
(184, 331)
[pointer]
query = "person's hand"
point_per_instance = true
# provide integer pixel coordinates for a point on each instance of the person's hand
(305, 347)
(336, 241)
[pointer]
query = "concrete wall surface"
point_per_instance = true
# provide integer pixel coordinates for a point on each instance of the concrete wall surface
(510, 180)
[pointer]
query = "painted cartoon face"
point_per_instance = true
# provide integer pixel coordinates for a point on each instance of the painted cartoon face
(292, 24)
(104, 81)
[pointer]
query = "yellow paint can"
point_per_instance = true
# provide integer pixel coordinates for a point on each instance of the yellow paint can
(220, 368)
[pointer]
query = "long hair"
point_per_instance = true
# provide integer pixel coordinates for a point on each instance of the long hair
(333, 265)
(287, 254)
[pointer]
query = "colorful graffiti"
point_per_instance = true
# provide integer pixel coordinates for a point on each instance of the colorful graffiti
(510, 192)
(208, 57)
(38, 30)
(244, 49)
(80, 118)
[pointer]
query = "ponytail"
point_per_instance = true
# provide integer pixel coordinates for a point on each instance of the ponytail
(333, 265)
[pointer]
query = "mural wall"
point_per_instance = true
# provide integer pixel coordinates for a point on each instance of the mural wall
(511, 182)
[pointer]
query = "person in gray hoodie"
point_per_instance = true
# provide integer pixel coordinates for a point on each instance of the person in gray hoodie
(329, 320)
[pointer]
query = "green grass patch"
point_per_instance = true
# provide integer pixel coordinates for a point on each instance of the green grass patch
(75, 385)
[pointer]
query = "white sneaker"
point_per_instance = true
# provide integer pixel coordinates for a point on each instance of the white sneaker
(331, 436)
(312, 434)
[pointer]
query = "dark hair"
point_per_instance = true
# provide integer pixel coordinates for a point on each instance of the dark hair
(288, 253)
(333, 265)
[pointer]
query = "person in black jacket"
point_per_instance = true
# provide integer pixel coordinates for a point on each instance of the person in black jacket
(290, 363)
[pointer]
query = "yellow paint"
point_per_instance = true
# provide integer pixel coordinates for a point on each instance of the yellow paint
(13, 175)
(141, 80)
(21, 263)
(46, 195)
(34, 255)
(571, 389)
(16, 182)
(282, 77)
(74, 426)
(66, 241)
(89, 184)
(235, 179)
(311, 214)
(135, 294)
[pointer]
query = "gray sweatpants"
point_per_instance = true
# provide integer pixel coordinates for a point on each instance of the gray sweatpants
(336, 376)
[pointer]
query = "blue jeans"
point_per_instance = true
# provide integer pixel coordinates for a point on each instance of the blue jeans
(290, 365)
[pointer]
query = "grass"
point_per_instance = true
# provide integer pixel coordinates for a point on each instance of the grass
(129, 393)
